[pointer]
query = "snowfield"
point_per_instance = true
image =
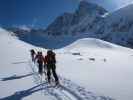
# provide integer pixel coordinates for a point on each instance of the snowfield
(15, 75)
(101, 67)
(89, 69)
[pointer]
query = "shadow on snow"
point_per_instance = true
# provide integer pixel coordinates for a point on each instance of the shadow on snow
(16, 77)
(19, 95)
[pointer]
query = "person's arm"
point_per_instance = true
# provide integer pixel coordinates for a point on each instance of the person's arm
(36, 57)
(45, 60)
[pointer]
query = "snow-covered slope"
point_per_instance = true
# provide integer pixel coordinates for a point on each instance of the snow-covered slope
(90, 42)
(101, 67)
(19, 80)
(90, 64)
(16, 77)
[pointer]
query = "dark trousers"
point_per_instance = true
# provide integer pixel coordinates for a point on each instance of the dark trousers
(40, 68)
(52, 67)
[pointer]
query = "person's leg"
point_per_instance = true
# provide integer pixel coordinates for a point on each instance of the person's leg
(45, 71)
(40, 68)
(54, 73)
(48, 73)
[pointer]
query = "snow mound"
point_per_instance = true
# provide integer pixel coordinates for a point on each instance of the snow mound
(86, 44)
(90, 43)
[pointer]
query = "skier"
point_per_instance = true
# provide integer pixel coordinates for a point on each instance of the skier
(33, 54)
(50, 62)
(40, 59)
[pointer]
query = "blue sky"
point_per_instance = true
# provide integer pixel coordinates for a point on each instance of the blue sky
(40, 13)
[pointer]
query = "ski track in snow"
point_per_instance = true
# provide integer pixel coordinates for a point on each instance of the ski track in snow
(66, 91)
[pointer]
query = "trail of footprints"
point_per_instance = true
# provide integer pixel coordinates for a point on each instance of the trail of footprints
(67, 87)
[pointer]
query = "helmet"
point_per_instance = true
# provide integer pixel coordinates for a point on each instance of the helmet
(49, 52)
(32, 50)
(39, 53)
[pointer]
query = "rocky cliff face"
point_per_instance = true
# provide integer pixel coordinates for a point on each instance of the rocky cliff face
(83, 19)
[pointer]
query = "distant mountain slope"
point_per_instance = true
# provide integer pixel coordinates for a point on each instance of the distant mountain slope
(86, 15)
(116, 27)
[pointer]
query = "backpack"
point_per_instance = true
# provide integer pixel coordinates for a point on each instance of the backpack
(32, 52)
(51, 58)
(39, 58)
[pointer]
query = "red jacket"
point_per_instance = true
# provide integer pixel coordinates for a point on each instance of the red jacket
(39, 58)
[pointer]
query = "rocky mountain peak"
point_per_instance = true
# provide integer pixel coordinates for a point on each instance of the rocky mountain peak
(86, 7)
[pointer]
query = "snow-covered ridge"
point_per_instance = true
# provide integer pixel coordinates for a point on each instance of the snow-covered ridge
(90, 43)
(122, 16)
(125, 12)
(87, 43)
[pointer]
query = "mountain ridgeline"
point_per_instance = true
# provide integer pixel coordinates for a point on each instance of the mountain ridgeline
(83, 19)
(90, 18)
